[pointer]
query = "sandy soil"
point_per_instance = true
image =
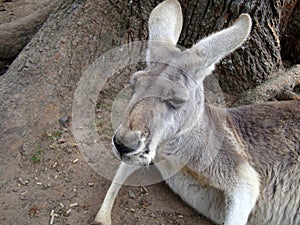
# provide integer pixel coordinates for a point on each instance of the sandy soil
(51, 183)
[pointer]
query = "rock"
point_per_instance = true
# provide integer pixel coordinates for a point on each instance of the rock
(49, 185)
(64, 121)
(131, 194)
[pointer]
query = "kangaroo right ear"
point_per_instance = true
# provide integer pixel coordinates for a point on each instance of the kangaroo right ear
(165, 22)
(216, 46)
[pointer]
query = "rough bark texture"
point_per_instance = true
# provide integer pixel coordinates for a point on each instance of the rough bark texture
(15, 35)
(38, 87)
(261, 53)
(257, 60)
(291, 35)
(282, 86)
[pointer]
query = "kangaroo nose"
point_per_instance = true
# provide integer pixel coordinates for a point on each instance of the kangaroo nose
(127, 143)
(121, 148)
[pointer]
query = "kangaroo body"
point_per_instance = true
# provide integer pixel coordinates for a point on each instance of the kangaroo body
(238, 166)
(261, 132)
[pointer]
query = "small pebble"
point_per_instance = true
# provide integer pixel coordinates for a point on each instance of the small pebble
(63, 145)
(49, 185)
(54, 165)
(131, 194)
(68, 150)
(64, 121)
(23, 151)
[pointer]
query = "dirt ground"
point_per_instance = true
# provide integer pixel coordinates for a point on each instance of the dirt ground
(51, 183)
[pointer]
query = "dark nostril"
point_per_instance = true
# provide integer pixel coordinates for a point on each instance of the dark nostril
(121, 148)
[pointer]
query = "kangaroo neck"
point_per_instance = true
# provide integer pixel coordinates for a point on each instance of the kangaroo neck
(202, 141)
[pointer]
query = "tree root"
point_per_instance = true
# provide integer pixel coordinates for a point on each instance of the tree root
(15, 35)
(281, 87)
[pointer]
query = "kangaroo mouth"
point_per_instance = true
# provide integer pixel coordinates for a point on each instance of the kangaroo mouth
(140, 157)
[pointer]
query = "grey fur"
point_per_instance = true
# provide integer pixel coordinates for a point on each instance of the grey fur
(241, 164)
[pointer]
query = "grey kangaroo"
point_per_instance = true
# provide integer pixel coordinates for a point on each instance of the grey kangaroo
(241, 165)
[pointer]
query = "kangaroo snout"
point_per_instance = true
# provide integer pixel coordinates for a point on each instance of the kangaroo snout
(124, 149)
(126, 142)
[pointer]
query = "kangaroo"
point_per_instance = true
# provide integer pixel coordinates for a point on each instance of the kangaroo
(240, 165)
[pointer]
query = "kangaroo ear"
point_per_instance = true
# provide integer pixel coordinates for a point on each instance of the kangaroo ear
(165, 22)
(218, 45)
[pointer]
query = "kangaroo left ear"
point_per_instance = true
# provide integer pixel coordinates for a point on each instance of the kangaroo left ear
(165, 22)
(218, 45)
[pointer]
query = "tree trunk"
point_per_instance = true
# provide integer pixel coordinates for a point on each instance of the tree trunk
(39, 85)
(290, 35)
(260, 56)
(16, 34)
(258, 59)
(38, 88)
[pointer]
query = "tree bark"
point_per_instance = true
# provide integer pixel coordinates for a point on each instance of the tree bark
(15, 35)
(38, 87)
(260, 56)
(258, 59)
(282, 86)
(290, 35)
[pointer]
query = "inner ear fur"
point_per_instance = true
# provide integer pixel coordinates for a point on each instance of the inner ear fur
(218, 45)
(165, 22)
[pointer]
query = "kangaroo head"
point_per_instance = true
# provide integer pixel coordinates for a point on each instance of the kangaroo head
(167, 97)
